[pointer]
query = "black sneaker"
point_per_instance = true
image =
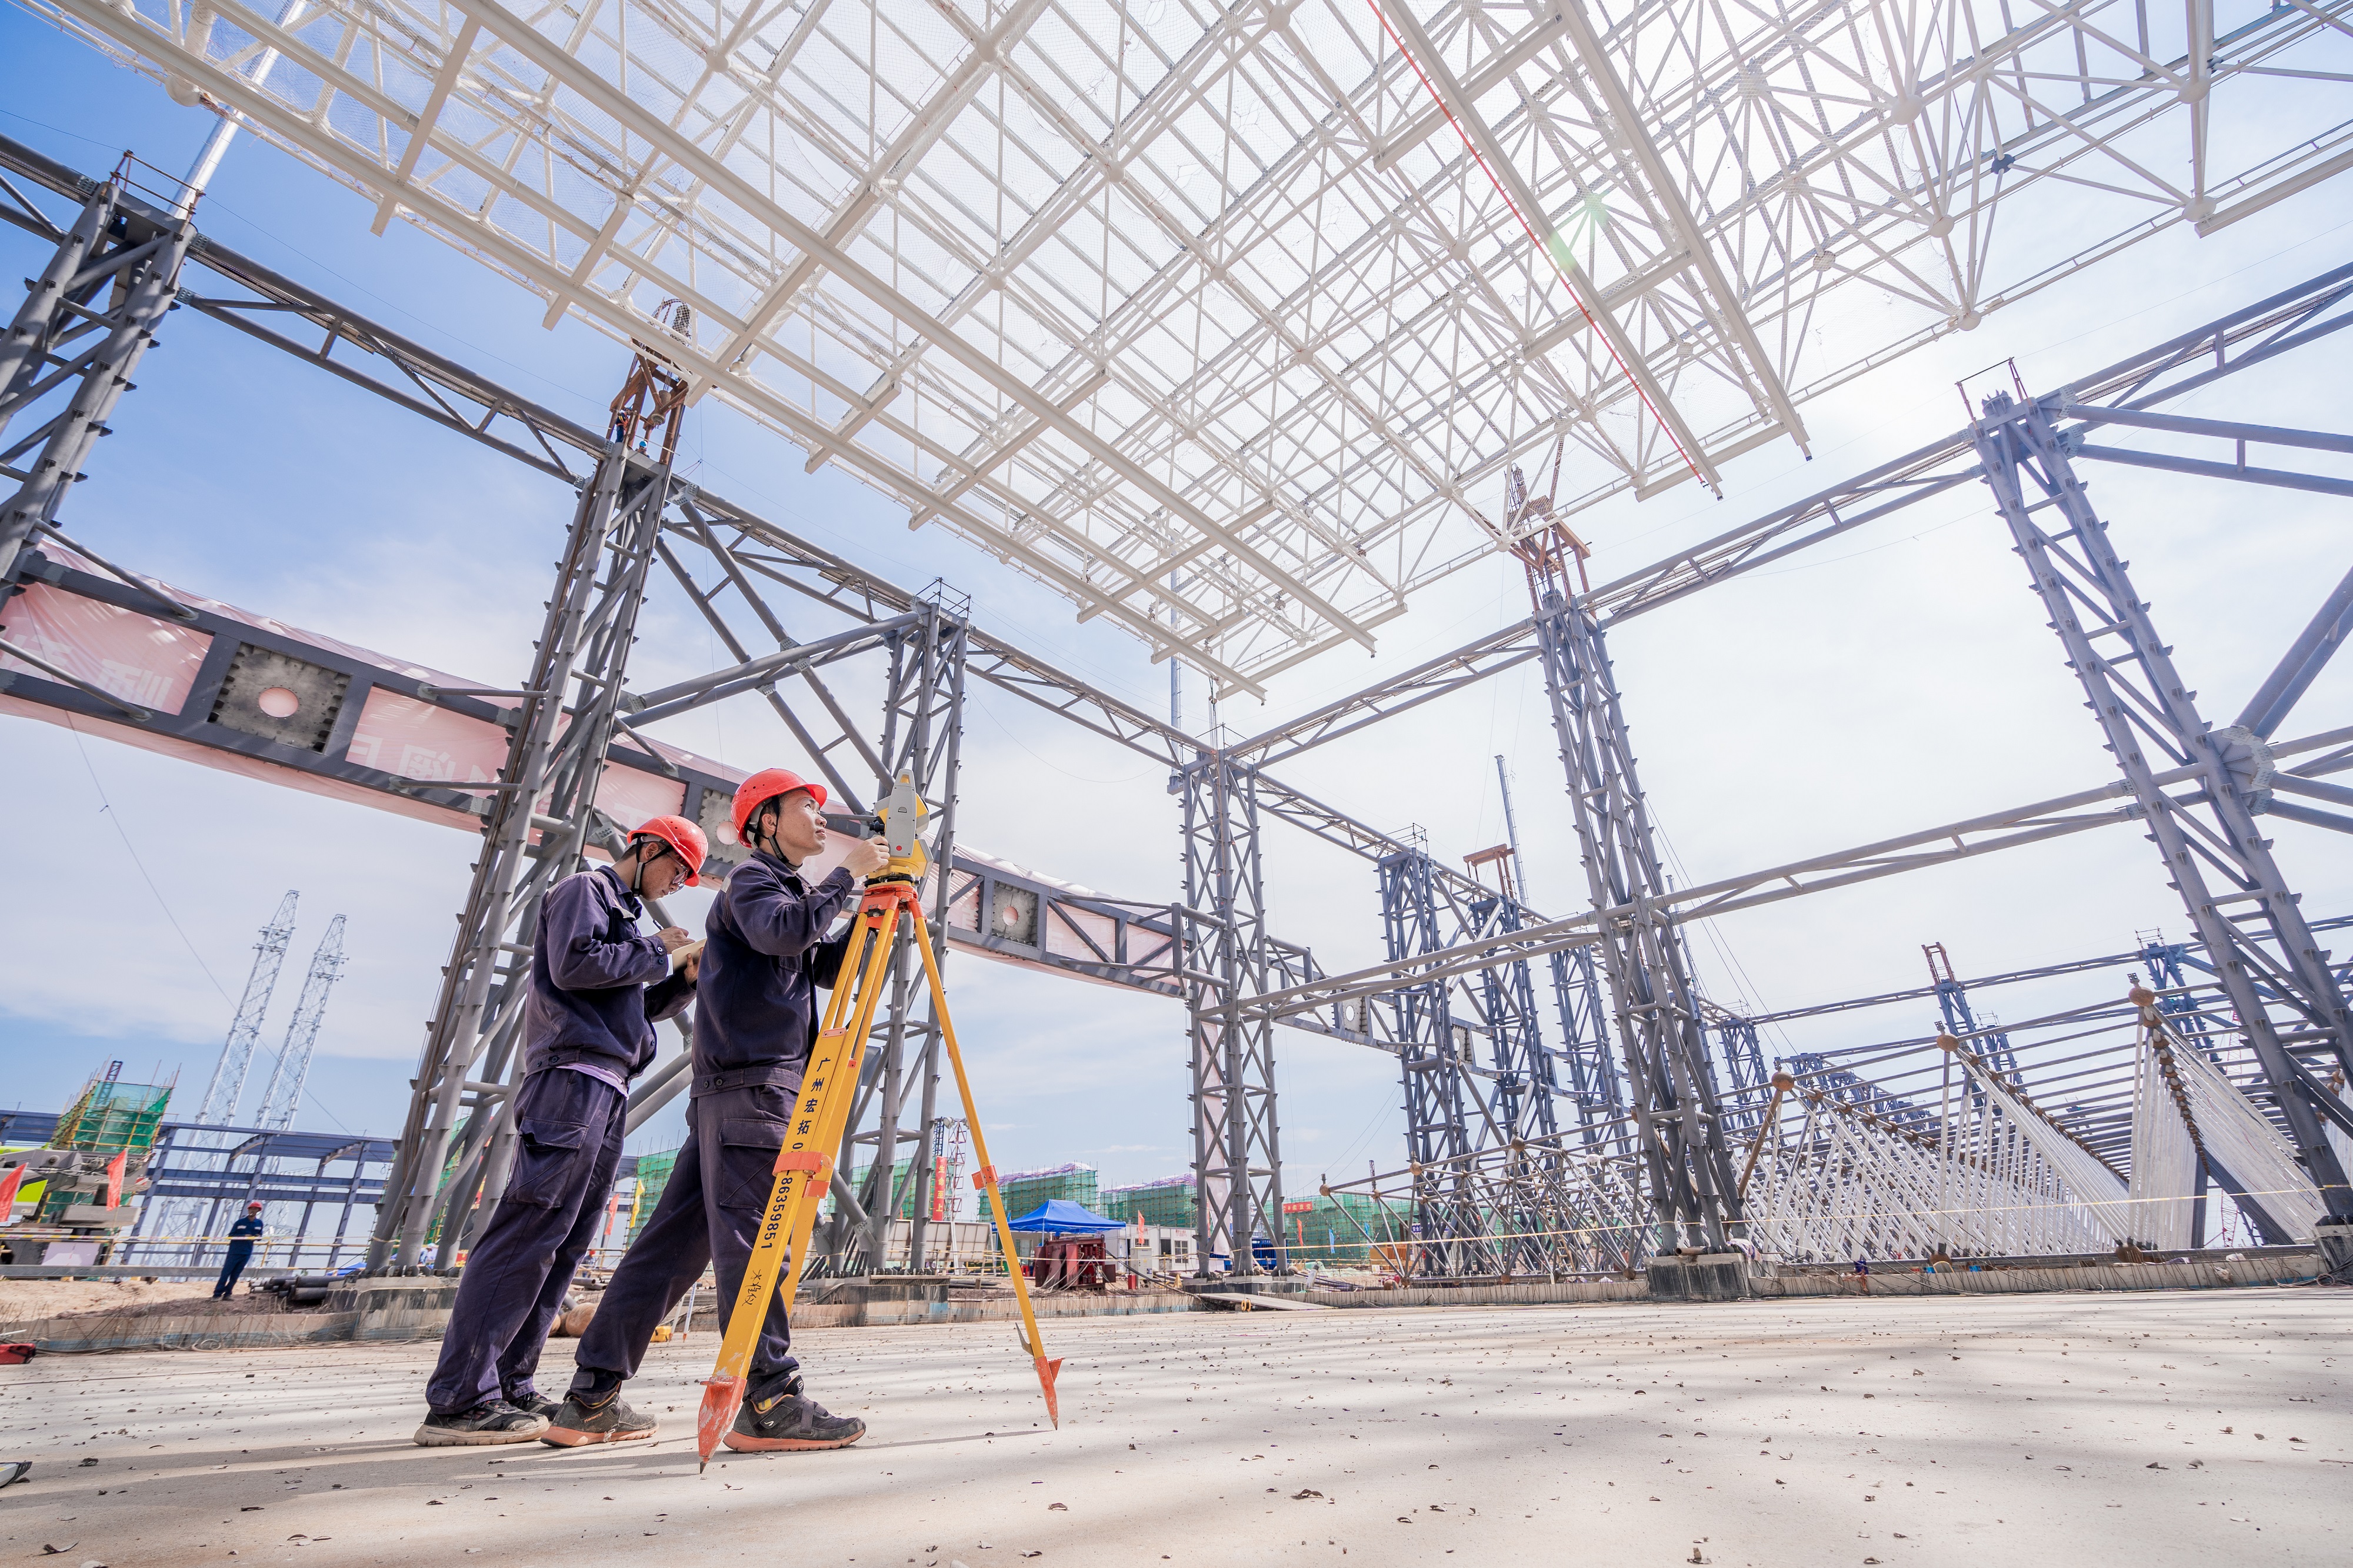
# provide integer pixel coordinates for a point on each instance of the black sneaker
(535, 1402)
(789, 1419)
(581, 1420)
(495, 1421)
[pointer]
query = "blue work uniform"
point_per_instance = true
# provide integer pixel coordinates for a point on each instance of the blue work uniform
(240, 1253)
(599, 985)
(764, 957)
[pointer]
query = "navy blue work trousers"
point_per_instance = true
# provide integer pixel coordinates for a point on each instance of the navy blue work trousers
(240, 1253)
(568, 1131)
(709, 1212)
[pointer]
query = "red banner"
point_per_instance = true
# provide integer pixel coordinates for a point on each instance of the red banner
(114, 1180)
(9, 1182)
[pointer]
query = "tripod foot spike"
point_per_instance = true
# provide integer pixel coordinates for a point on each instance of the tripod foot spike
(722, 1399)
(1046, 1372)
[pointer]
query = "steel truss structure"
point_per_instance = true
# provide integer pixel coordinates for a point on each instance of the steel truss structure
(202, 1177)
(1224, 954)
(2263, 951)
(541, 814)
(1217, 317)
(1212, 948)
(1662, 1034)
(730, 564)
(1922, 1145)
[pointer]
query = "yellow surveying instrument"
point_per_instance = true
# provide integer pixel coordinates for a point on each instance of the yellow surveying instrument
(804, 1167)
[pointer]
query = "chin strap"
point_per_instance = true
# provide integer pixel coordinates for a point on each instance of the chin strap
(765, 840)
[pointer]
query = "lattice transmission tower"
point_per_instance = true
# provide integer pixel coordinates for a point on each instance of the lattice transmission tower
(177, 1218)
(226, 1086)
(286, 1079)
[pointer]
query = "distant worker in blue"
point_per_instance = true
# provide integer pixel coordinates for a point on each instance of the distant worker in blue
(240, 1250)
(598, 986)
(764, 956)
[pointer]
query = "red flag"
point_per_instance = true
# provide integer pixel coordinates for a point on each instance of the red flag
(114, 1180)
(9, 1182)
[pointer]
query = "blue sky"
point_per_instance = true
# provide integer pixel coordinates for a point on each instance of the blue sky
(1902, 679)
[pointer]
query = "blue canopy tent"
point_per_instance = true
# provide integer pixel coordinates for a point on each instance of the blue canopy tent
(1063, 1216)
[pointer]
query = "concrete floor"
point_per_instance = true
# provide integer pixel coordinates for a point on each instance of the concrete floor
(2145, 1429)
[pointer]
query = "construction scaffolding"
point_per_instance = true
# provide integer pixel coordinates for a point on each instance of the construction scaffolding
(109, 1115)
(1170, 1202)
(652, 1176)
(1025, 1190)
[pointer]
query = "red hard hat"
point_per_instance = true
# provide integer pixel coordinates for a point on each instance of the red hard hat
(681, 836)
(766, 786)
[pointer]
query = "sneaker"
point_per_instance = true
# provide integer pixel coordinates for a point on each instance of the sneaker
(579, 1421)
(789, 1419)
(494, 1422)
(534, 1403)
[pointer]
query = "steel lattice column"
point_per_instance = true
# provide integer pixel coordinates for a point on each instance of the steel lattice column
(1523, 1120)
(923, 730)
(1585, 1044)
(1744, 1059)
(1431, 1049)
(547, 786)
(1660, 1029)
(1221, 927)
(65, 336)
(1525, 1078)
(2214, 853)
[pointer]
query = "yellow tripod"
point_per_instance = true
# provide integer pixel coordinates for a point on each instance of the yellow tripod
(820, 1117)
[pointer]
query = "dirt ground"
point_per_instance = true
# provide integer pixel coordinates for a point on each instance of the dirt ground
(2147, 1430)
(24, 1300)
(30, 1300)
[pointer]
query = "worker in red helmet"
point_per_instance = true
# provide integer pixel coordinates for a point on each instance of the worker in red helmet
(599, 985)
(766, 954)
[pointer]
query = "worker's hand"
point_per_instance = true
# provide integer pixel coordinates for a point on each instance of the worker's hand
(692, 968)
(673, 938)
(867, 857)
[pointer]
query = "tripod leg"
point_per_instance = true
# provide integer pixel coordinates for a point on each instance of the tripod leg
(985, 1177)
(801, 1172)
(874, 981)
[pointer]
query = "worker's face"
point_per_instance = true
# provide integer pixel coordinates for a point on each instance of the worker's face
(664, 874)
(800, 826)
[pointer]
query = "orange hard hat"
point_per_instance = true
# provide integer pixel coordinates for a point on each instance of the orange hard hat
(681, 836)
(766, 786)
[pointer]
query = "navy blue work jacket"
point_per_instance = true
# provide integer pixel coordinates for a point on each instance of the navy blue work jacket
(599, 985)
(764, 954)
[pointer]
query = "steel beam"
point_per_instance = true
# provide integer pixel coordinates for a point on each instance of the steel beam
(1943, 845)
(2326, 632)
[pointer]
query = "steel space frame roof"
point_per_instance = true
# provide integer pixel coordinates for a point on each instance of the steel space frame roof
(1224, 321)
